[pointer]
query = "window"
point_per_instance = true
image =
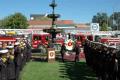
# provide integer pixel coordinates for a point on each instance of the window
(36, 38)
(47, 38)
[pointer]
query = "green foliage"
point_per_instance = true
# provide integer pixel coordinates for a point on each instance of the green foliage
(0, 23)
(102, 19)
(106, 22)
(15, 21)
(115, 21)
(104, 27)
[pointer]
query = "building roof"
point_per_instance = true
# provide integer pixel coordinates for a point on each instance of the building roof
(39, 26)
(49, 22)
(82, 25)
(37, 15)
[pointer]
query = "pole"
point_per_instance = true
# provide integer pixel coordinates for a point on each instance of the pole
(53, 19)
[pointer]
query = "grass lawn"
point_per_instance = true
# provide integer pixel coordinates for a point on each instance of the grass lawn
(36, 70)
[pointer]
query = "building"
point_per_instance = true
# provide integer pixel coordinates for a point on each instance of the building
(41, 21)
(43, 24)
(83, 27)
(39, 17)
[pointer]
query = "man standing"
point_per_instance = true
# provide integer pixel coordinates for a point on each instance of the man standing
(11, 64)
(3, 64)
(62, 52)
(77, 51)
(77, 48)
(17, 59)
(118, 59)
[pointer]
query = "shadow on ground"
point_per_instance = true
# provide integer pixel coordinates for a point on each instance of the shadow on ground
(39, 59)
(72, 71)
(76, 71)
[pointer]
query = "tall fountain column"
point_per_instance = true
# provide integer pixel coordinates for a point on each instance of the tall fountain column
(53, 30)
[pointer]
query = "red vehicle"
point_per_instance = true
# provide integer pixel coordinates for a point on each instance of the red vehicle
(59, 39)
(81, 37)
(7, 39)
(40, 41)
(73, 40)
(58, 42)
(110, 41)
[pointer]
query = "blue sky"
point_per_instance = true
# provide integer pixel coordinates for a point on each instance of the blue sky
(81, 11)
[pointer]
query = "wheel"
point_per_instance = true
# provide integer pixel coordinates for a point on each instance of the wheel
(43, 49)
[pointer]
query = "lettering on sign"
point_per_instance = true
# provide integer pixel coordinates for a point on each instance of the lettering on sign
(94, 26)
(51, 54)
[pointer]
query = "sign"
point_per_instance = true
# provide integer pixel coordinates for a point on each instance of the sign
(94, 26)
(69, 44)
(51, 54)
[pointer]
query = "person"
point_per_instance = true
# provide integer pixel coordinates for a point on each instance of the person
(77, 51)
(111, 59)
(4, 46)
(10, 63)
(86, 50)
(17, 59)
(28, 50)
(78, 45)
(3, 64)
(118, 58)
(0, 45)
(50, 43)
(23, 51)
(62, 51)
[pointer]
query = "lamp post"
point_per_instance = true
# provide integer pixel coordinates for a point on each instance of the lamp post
(53, 31)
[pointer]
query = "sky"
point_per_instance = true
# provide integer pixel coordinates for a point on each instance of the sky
(80, 11)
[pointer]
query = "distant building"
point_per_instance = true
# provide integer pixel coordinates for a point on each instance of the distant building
(84, 27)
(43, 24)
(39, 17)
(79, 28)
(41, 21)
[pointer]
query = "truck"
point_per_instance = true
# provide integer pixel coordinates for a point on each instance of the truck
(41, 41)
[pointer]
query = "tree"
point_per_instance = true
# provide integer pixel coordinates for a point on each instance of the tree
(0, 23)
(115, 21)
(15, 21)
(102, 19)
(104, 27)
